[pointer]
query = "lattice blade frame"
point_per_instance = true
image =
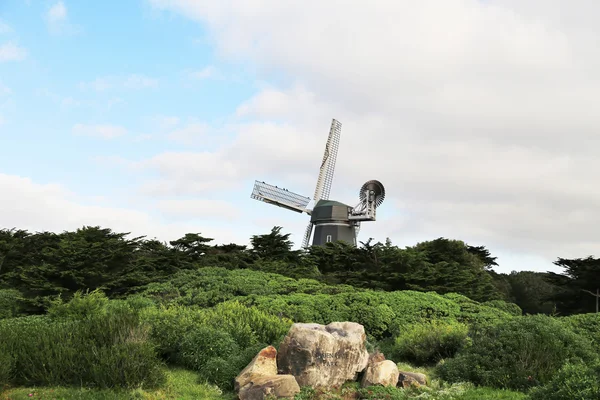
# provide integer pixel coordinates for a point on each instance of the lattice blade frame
(280, 197)
(328, 164)
(305, 242)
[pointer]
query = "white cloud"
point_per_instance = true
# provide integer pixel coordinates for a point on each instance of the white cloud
(57, 13)
(479, 117)
(10, 51)
(133, 81)
(198, 208)
(68, 102)
(204, 73)
(4, 90)
(4, 27)
(50, 207)
(193, 133)
(137, 81)
(99, 131)
(163, 122)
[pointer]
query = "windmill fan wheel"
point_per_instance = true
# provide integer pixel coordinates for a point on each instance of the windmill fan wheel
(376, 187)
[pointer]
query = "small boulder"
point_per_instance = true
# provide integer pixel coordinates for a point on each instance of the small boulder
(323, 356)
(259, 379)
(411, 379)
(261, 386)
(384, 373)
(265, 363)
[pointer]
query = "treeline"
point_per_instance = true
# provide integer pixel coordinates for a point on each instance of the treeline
(39, 267)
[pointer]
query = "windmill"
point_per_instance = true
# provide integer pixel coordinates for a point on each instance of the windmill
(332, 221)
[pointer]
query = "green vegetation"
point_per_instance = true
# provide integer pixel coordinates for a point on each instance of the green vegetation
(180, 384)
(95, 314)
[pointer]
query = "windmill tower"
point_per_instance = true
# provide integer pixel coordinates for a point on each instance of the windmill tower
(332, 221)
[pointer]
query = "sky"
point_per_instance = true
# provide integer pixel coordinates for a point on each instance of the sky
(156, 116)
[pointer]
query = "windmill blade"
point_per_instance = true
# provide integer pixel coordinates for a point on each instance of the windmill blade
(307, 235)
(328, 165)
(280, 197)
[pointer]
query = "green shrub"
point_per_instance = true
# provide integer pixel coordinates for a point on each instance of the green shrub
(126, 365)
(474, 313)
(10, 303)
(222, 371)
(203, 343)
(587, 325)
(90, 342)
(218, 342)
(383, 314)
(294, 270)
(429, 342)
(247, 325)
(574, 381)
(7, 364)
(209, 286)
(510, 308)
(518, 353)
(80, 306)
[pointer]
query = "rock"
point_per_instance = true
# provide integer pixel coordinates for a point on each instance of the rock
(376, 357)
(261, 386)
(411, 379)
(384, 373)
(265, 363)
(323, 356)
(259, 379)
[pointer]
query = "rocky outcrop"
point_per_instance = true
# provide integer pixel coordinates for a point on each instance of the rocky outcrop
(380, 372)
(411, 379)
(259, 379)
(323, 356)
(263, 386)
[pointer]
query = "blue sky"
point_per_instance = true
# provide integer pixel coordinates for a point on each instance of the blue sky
(156, 116)
(61, 84)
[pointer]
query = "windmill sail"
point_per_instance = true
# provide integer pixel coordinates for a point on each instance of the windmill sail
(328, 164)
(326, 172)
(307, 234)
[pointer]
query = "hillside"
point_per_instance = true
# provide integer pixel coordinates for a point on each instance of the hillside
(126, 318)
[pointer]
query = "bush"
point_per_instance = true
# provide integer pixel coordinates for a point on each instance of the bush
(218, 342)
(6, 367)
(427, 343)
(574, 381)
(10, 303)
(209, 286)
(587, 325)
(203, 343)
(383, 314)
(81, 306)
(222, 371)
(519, 353)
(510, 308)
(90, 342)
(474, 313)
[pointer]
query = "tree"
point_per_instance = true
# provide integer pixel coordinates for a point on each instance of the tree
(453, 267)
(580, 275)
(532, 292)
(193, 245)
(484, 255)
(274, 246)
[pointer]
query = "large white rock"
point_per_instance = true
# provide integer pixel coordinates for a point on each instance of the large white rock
(263, 386)
(323, 356)
(384, 373)
(259, 379)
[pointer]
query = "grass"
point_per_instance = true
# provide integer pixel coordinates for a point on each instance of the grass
(181, 385)
(491, 394)
(185, 385)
